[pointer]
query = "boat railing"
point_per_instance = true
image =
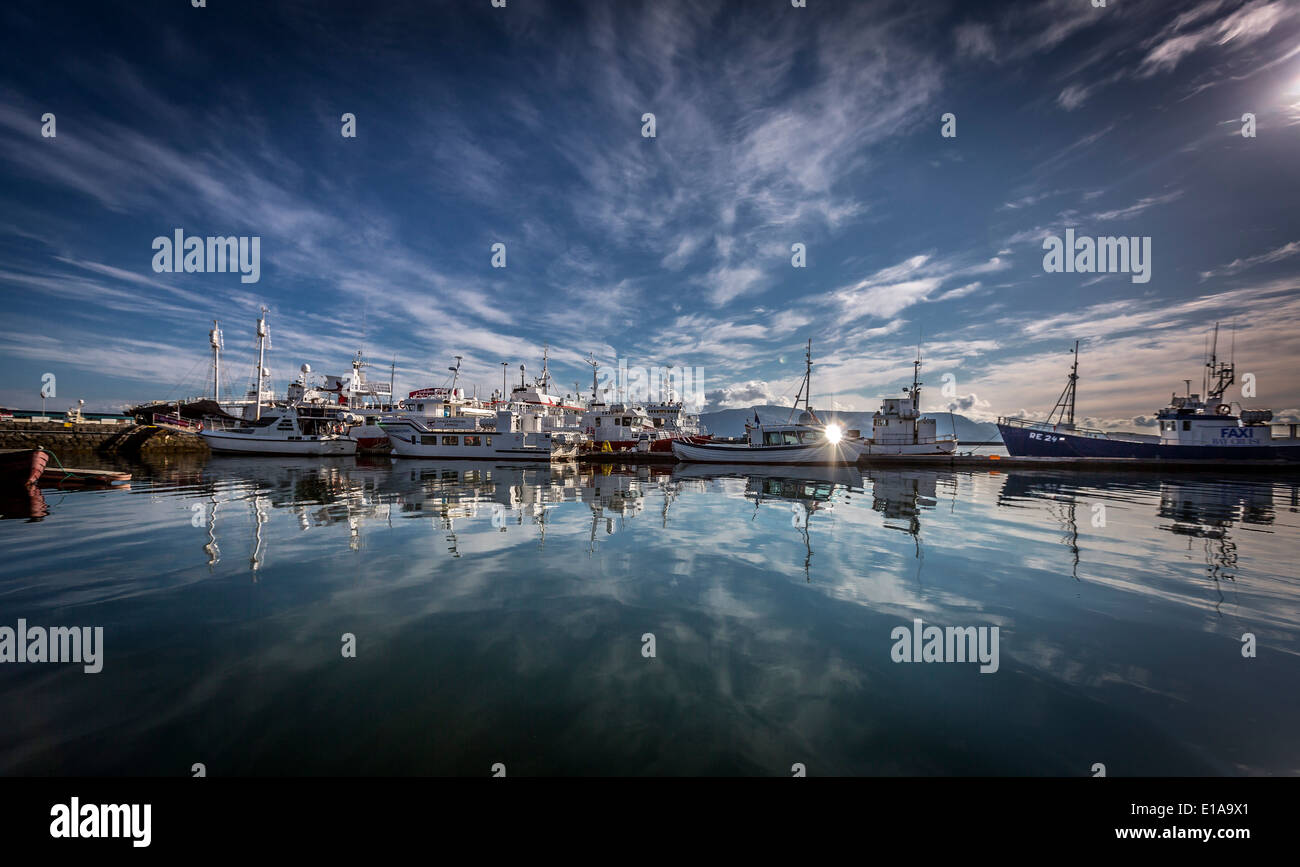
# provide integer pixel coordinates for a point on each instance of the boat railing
(173, 421)
(1053, 428)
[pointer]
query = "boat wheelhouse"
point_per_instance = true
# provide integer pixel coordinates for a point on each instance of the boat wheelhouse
(898, 428)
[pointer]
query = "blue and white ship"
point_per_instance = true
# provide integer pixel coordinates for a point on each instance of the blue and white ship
(1193, 429)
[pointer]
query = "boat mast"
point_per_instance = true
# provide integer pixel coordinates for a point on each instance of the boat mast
(455, 373)
(1065, 403)
(215, 338)
(595, 366)
(805, 388)
(261, 359)
(1224, 373)
(916, 386)
(807, 396)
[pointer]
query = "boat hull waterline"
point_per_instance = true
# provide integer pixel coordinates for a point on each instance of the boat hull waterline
(1032, 443)
(844, 452)
(231, 443)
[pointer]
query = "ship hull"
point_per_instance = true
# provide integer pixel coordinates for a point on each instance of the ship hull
(841, 453)
(22, 467)
(508, 447)
(230, 443)
(662, 445)
(1024, 442)
(939, 447)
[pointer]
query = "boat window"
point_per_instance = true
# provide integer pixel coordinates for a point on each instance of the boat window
(489, 440)
(791, 438)
(449, 441)
(473, 441)
(1187, 425)
(598, 421)
(807, 436)
(772, 438)
(420, 407)
(428, 440)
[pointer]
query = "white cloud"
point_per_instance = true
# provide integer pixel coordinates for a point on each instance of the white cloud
(1236, 266)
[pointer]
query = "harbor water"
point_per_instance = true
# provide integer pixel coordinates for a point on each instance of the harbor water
(269, 616)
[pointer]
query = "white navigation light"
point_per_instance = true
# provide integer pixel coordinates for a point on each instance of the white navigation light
(833, 433)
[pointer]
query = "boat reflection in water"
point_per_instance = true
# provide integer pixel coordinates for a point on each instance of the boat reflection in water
(452, 495)
(807, 490)
(25, 502)
(500, 614)
(1208, 512)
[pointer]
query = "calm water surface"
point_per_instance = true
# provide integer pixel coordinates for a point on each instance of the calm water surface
(499, 615)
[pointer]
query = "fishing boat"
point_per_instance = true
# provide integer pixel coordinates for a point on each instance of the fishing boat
(806, 440)
(22, 468)
(294, 429)
(476, 434)
(899, 429)
(308, 423)
(624, 426)
(1205, 430)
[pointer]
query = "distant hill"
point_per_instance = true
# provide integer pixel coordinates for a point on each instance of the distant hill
(731, 422)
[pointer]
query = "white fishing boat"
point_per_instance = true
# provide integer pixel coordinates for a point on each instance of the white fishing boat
(308, 423)
(899, 429)
(423, 403)
(804, 441)
(625, 426)
(294, 429)
(468, 433)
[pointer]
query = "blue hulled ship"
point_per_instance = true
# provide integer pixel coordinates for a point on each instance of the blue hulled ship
(1193, 429)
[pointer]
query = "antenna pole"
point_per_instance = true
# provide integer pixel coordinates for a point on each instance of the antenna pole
(595, 365)
(261, 359)
(216, 361)
(807, 395)
(1074, 380)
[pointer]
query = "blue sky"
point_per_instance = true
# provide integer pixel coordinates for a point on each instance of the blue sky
(774, 126)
